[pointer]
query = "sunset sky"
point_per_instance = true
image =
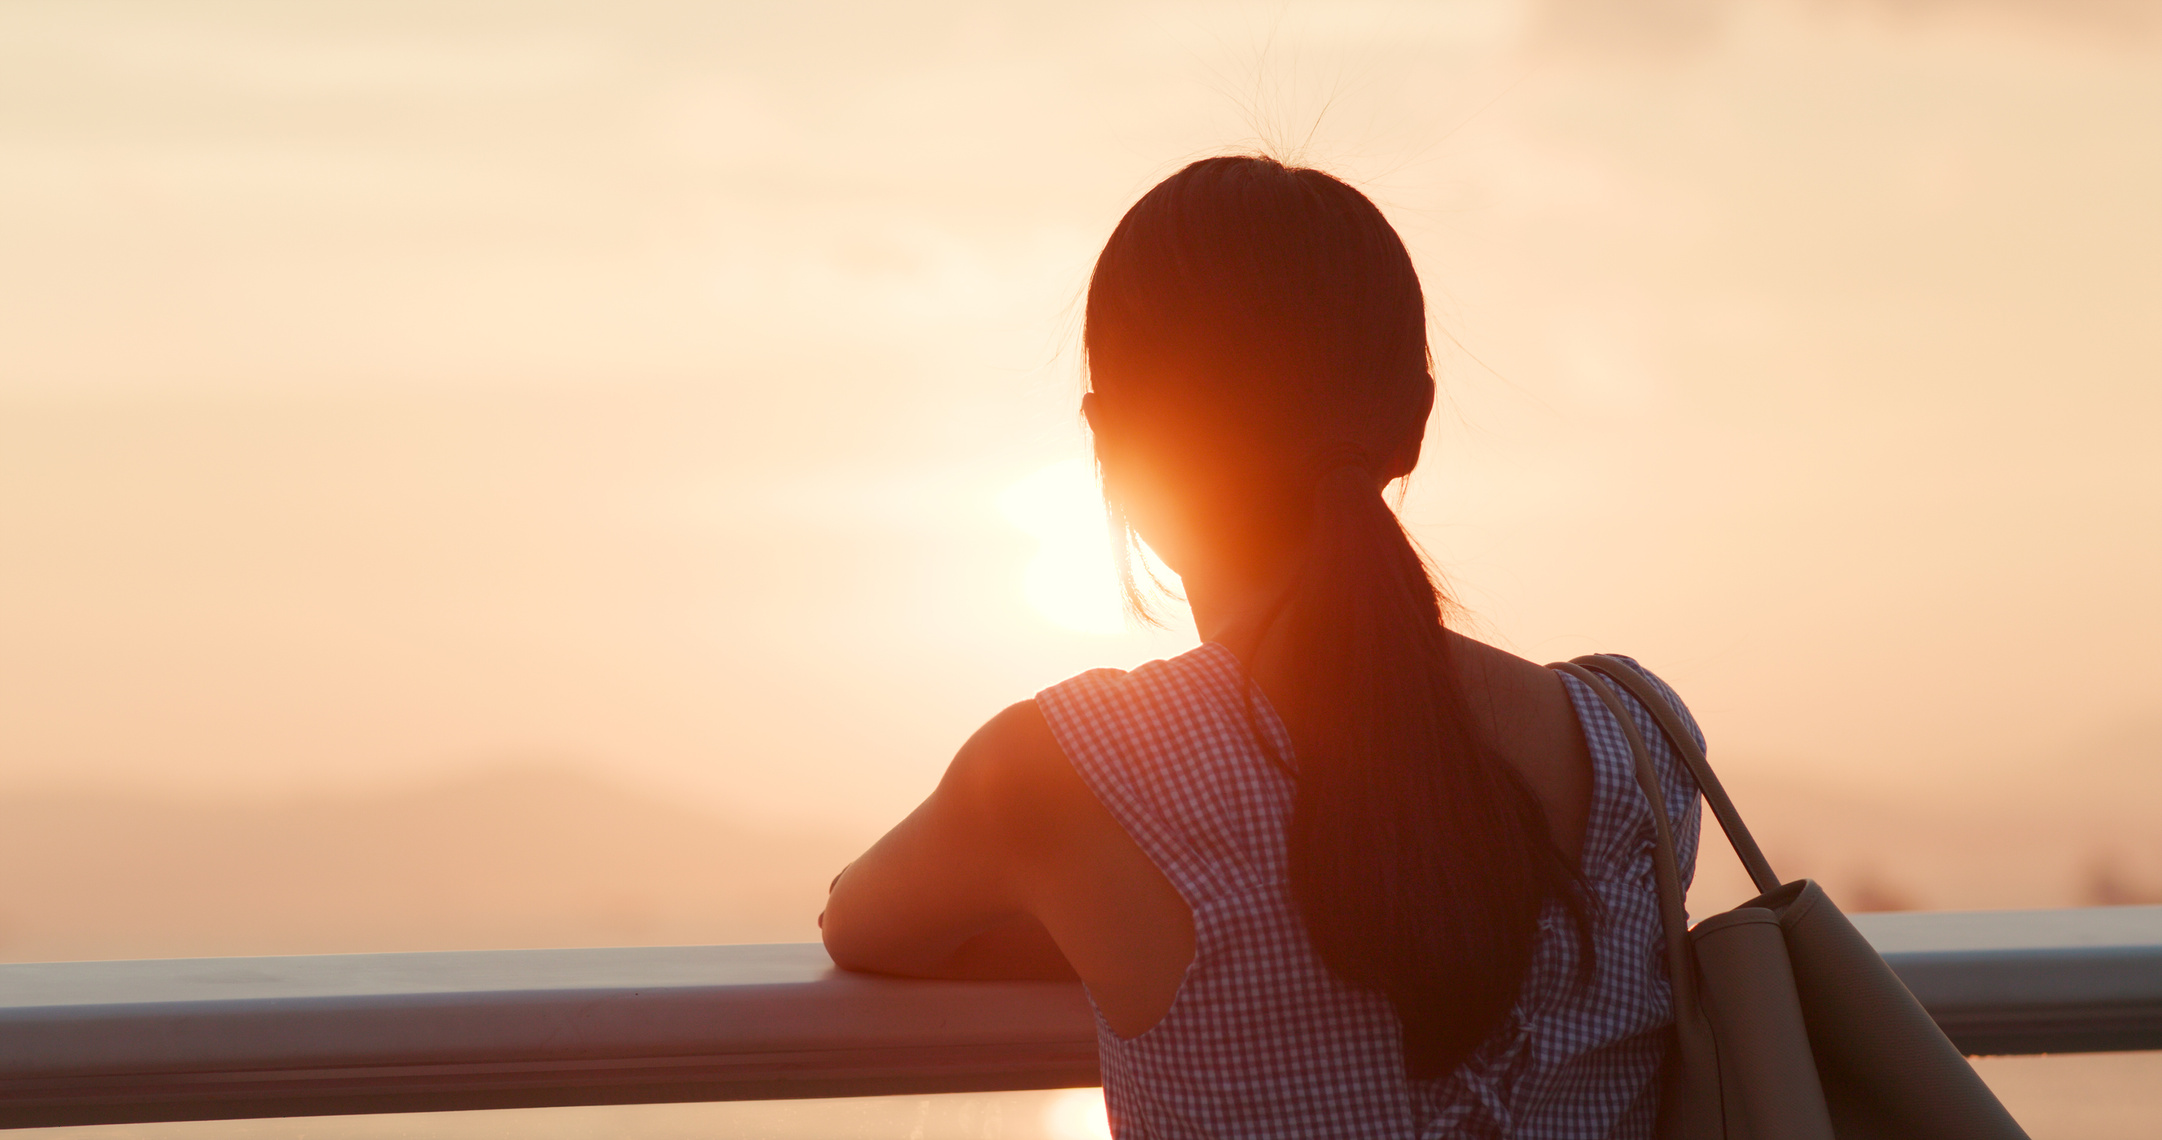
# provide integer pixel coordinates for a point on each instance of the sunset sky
(687, 392)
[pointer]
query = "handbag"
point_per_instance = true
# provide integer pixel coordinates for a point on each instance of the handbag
(1788, 1025)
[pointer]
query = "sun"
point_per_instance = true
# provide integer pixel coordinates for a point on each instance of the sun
(1072, 579)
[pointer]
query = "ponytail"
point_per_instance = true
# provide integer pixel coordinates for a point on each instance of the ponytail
(1418, 860)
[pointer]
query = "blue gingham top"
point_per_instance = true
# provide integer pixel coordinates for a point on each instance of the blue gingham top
(1261, 1039)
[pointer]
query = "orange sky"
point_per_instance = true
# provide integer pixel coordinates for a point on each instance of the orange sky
(392, 389)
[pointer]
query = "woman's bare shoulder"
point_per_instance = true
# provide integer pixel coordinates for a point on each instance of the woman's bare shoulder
(1524, 712)
(1014, 776)
(1508, 686)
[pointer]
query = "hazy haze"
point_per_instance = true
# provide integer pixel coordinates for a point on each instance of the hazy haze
(390, 393)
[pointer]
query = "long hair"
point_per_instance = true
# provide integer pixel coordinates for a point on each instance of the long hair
(1256, 337)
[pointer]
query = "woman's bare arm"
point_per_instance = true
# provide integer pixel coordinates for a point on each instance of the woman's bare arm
(946, 893)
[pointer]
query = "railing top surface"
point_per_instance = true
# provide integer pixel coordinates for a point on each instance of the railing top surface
(2012, 931)
(45, 985)
(28, 986)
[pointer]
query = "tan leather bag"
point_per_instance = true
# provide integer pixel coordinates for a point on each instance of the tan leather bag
(1788, 1024)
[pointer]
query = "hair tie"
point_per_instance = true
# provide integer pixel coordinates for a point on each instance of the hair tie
(1343, 457)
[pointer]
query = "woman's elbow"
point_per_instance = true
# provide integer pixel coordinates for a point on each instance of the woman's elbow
(842, 934)
(848, 951)
(864, 936)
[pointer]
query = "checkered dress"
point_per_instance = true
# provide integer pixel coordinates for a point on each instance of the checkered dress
(1262, 1040)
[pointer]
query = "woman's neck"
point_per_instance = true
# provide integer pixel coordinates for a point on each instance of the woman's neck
(1241, 612)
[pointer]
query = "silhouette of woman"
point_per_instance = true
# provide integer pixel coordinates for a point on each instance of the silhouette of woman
(1339, 871)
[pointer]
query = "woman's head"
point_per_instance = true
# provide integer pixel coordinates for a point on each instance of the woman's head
(1249, 325)
(1259, 371)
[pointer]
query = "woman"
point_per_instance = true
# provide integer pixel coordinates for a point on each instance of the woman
(1340, 871)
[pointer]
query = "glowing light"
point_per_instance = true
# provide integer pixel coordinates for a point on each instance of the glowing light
(1072, 579)
(1076, 1114)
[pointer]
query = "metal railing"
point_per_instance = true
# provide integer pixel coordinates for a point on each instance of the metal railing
(224, 1038)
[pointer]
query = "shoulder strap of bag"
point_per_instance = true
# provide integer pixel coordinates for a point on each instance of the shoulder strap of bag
(1666, 866)
(1685, 745)
(1691, 1082)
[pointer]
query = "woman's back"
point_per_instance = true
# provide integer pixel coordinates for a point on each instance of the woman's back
(1261, 1037)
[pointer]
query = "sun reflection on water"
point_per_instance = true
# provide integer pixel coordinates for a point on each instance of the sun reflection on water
(1076, 1114)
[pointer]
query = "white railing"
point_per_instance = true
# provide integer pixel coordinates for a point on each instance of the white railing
(222, 1038)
